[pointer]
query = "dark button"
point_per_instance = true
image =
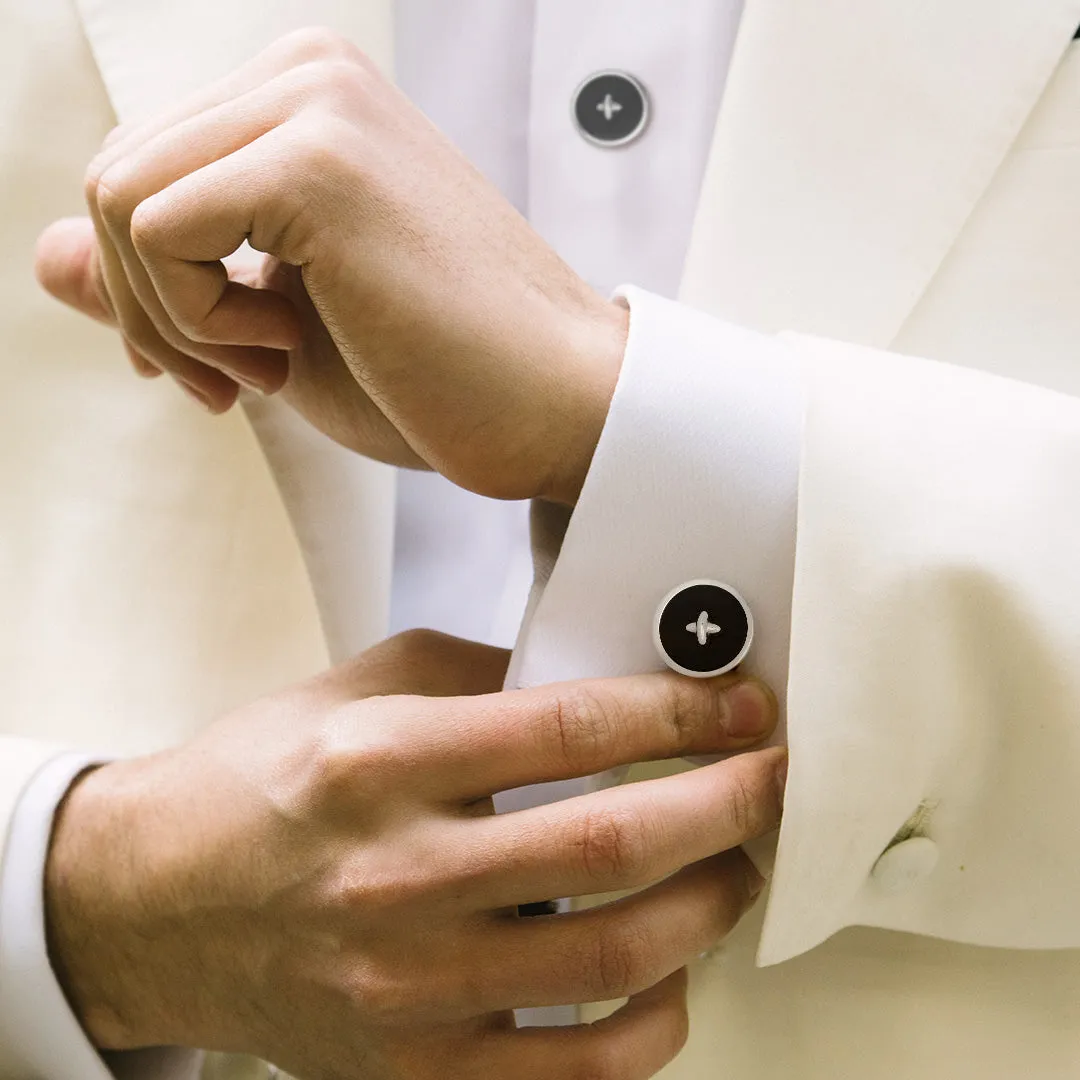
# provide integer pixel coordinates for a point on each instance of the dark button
(703, 628)
(611, 108)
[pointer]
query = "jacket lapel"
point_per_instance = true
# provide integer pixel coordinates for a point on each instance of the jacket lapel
(152, 52)
(854, 139)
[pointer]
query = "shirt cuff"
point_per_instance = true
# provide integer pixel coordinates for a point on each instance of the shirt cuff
(38, 1027)
(695, 475)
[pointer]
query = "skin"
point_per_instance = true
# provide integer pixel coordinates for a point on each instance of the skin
(319, 879)
(400, 302)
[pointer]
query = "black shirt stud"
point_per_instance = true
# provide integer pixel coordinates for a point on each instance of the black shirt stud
(611, 108)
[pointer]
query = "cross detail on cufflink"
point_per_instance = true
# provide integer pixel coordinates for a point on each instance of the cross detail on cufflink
(609, 107)
(703, 628)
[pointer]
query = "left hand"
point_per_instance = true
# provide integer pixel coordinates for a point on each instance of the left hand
(405, 307)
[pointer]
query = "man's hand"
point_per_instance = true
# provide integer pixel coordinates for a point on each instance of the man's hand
(405, 306)
(319, 879)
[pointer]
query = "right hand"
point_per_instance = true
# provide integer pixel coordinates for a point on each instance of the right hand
(406, 308)
(319, 880)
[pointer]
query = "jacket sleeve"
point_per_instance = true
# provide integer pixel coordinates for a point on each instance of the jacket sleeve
(929, 652)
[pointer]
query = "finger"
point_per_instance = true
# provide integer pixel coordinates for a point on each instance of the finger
(617, 949)
(112, 197)
(251, 327)
(623, 837)
(143, 321)
(265, 372)
(261, 193)
(633, 1043)
(241, 316)
(490, 744)
(141, 365)
(306, 46)
(67, 266)
(209, 387)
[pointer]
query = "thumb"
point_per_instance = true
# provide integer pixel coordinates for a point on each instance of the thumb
(420, 662)
(68, 267)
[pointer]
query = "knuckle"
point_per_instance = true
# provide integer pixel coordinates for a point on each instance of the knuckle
(415, 645)
(623, 960)
(114, 194)
(612, 846)
(102, 163)
(580, 724)
(314, 43)
(385, 998)
(381, 888)
(342, 79)
(319, 142)
(92, 179)
(331, 84)
(621, 969)
(682, 708)
(348, 760)
(145, 224)
(742, 804)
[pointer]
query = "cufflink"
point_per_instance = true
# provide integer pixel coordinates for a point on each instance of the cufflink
(703, 628)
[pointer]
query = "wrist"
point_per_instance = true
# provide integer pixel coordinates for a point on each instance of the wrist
(90, 911)
(600, 342)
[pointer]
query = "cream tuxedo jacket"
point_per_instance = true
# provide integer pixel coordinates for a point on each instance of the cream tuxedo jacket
(890, 207)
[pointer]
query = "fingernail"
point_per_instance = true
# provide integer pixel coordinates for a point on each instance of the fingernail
(748, 712)
(196, 395)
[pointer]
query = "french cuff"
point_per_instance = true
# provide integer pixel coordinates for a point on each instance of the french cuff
(695, 476)
(38, 1026)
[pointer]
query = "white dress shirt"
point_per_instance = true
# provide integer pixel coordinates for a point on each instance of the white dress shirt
(499, 78)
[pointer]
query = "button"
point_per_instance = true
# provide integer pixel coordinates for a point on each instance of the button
(703, 628)
(904, 865)
(611, 108)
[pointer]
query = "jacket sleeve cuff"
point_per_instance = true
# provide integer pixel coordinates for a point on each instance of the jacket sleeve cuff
(37, 1027)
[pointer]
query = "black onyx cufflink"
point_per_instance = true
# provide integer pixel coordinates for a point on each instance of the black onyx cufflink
(703, 628)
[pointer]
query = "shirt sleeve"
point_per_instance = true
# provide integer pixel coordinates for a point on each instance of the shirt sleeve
(38, 1030)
